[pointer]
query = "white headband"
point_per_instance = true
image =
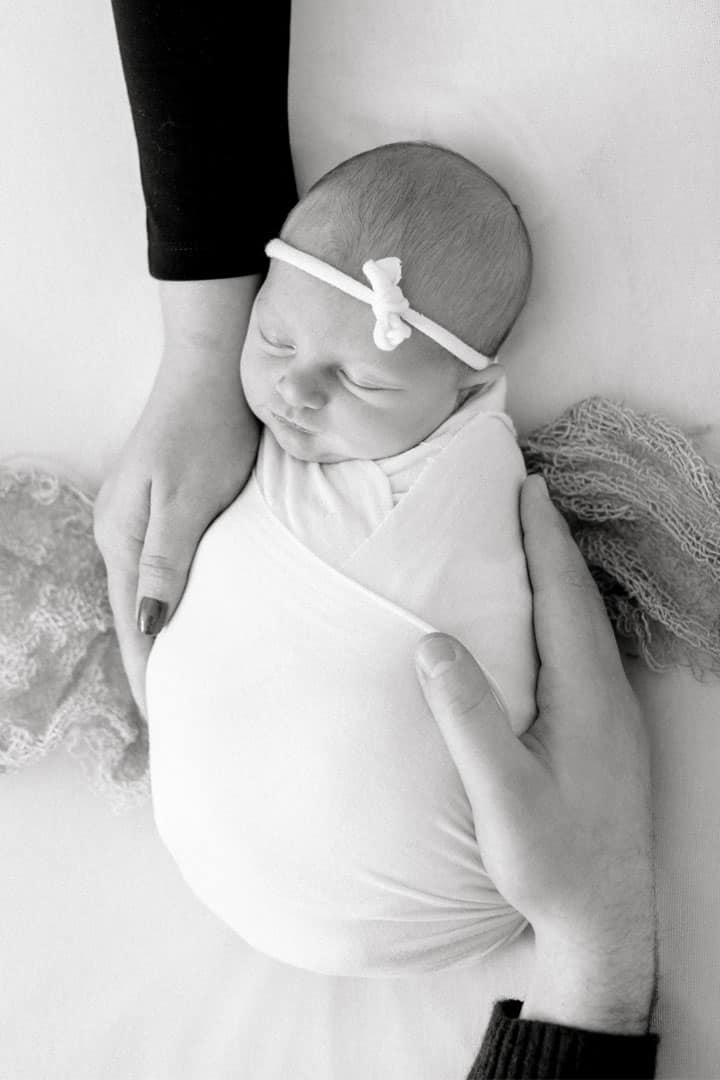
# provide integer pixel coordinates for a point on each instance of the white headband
(391, 309)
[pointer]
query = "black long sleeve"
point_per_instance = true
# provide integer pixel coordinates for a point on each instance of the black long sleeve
(218, 182)
(531, 1050)
(207, 84)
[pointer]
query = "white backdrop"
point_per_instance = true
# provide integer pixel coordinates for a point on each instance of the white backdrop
(602, 121)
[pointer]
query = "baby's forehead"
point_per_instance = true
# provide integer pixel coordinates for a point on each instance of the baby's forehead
(290, 293)
(306, 306)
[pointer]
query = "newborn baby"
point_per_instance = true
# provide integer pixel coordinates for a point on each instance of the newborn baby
(319, 813)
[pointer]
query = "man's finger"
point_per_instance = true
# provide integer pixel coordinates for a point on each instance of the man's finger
(171, 540)
(474, 725)
(572, 629)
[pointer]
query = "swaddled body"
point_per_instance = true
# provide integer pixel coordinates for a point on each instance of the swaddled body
(320, 814)
(298, 777)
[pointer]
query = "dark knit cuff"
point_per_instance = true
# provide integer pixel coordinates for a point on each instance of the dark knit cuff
(514, 1048)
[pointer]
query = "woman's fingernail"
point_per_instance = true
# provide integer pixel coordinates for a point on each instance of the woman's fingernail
(436, 656)
(151, 616)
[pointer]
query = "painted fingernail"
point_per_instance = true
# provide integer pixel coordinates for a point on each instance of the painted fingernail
(436, 656)
(151, 616)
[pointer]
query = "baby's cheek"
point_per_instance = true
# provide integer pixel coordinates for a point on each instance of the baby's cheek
(377, 426)
(253, 381)
(389, 430)
(410, 424)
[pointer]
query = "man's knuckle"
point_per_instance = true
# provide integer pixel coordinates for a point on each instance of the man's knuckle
(574, 576)
(463, 709)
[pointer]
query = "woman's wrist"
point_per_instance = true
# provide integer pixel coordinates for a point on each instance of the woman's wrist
(205, 322)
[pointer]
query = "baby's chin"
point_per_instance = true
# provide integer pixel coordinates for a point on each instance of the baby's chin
(305, 448)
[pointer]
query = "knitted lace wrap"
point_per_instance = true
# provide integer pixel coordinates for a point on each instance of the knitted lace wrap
(644, 508)
(61, 673)
(642, 503)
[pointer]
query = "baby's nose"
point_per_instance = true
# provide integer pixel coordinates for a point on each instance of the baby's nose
(301, 391)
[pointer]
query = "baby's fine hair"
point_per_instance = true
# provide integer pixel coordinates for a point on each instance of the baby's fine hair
(465, 251)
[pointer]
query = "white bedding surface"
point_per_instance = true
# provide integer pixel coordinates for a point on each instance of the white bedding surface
(112, 970)
(597, 117)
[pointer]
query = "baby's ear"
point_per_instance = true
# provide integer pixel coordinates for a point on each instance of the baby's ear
(479, 382)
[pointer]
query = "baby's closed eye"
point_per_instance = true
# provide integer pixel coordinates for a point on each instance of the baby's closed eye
(365, 386)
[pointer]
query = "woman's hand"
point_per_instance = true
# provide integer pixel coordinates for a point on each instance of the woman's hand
(563, 813)
(186, 459)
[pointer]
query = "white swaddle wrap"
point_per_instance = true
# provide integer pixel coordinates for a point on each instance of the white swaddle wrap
(299, 779)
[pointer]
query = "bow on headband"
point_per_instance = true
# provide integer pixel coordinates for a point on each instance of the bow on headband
(389, 302)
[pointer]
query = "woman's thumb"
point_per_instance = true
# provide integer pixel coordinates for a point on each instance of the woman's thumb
(170, 543)
(473, 723)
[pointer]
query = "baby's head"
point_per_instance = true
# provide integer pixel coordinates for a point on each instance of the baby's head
(309, 356)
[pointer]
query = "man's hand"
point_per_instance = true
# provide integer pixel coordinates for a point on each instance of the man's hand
(563, 813)
(187, 458)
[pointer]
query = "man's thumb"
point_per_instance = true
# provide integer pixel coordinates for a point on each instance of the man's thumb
(168, 549)
(473, 723)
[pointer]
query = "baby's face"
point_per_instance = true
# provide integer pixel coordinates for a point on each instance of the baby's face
(309, 360)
